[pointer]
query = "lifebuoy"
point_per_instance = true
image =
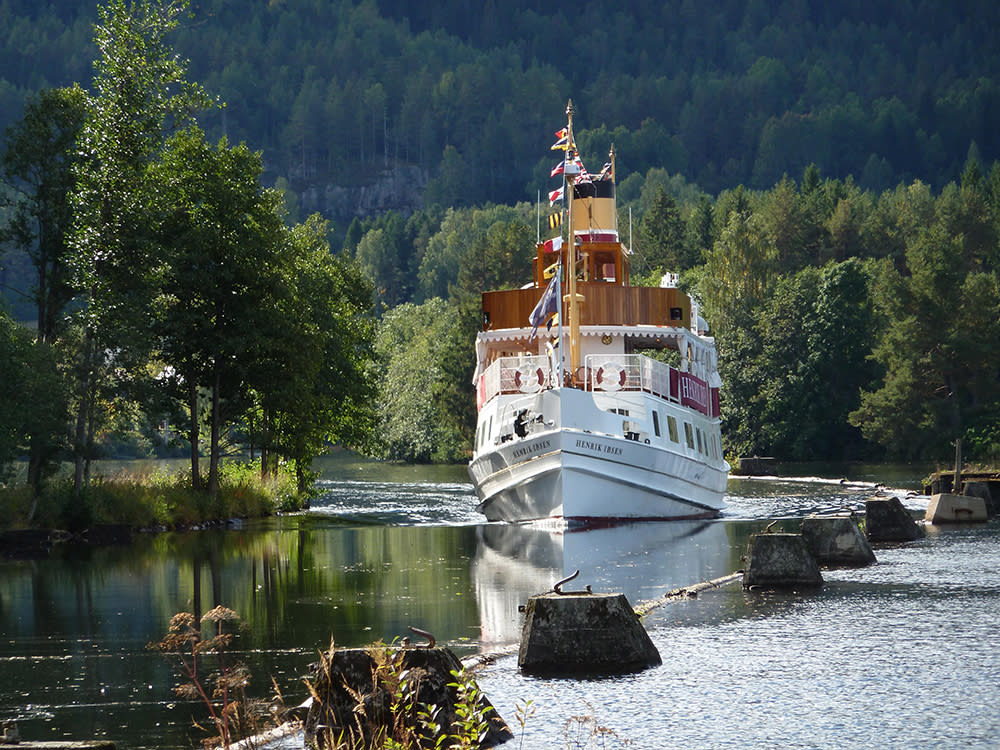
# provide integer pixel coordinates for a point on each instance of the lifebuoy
(611, 377)
(528, 379)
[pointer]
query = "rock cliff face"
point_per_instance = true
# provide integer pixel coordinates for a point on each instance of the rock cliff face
(398, 189)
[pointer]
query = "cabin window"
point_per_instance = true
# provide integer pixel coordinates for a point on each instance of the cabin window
(623, 412)
(672, 428)
(701, 445)
(656, 423)
(689, 434)
(676, 313)
(489, 429)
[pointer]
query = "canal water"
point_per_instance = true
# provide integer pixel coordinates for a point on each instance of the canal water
(898, 655)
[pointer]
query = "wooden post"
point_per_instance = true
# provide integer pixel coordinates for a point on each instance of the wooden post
(956, 487)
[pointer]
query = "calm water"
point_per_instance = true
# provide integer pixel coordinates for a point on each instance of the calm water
(901, 654)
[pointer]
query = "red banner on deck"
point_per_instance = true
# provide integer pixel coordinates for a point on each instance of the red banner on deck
(693, 392)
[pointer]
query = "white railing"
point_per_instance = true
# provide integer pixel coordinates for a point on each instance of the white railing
(627, 372)
(516, 375)
(607, 373)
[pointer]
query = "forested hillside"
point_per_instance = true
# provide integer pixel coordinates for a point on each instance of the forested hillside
(723, 93)
(825, 176)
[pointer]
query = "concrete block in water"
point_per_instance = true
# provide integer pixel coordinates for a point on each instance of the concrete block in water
(776, 561)
(583, 633)
(988, 491)
(886, 520)
(836, 541)
(945, 508)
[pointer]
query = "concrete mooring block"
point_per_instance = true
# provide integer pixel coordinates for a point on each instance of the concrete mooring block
(780, 561)
(836, 541)
(583, 633)
(886, 520)
(945, 508)
(988, 491)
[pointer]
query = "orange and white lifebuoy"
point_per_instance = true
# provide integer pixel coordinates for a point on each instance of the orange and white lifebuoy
(528, 379)
(611, 377)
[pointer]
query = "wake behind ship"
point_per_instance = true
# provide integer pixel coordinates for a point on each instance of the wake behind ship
(598, 401)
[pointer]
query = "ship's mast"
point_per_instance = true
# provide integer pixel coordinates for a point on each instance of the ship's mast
(572, 299)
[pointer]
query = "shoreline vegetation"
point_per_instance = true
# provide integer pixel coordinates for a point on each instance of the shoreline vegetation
(158, 499)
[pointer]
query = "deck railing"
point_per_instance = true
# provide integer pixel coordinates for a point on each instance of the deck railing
(599, 373)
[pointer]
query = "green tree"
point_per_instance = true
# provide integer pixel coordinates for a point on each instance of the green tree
(37, 164)
(413, 424)
(662, 237)
(464, 241)
(15, 343)
(939, 337)
(34, 403)
(315, 384)
(739, 271)
(222, 249)
(140, 94)
(816, 333)
(382, 255)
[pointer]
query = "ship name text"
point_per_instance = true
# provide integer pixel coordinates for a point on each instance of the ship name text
(598, 447)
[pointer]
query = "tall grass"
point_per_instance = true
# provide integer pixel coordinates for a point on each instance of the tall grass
(153, 498)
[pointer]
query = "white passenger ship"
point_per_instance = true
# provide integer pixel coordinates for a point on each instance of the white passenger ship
(577, 420)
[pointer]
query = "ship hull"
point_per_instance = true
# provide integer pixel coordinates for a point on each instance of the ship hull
(587, 477)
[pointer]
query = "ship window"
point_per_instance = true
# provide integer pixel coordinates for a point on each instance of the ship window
(689, 434)
(701, 445)
(676, 313)
(489, 430)
(623, 412)
(656, 423)
(672, 428)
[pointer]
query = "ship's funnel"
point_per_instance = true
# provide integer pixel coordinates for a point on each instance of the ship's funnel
(595, 214)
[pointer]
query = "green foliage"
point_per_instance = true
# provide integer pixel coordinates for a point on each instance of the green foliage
(477, 249)
(218, 314)
(815, 334)
(885, 93)
(414, 423)
(315, 383)
(32, 403)
(156, 498)
(389, 716)
(37, 163)
(940, 331)
(218, 285)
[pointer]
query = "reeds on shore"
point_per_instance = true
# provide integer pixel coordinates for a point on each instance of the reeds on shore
(151, 498)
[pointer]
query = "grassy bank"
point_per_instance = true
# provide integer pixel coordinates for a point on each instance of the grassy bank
(150, 499)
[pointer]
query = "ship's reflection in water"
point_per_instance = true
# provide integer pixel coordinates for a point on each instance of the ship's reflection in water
(641, 560)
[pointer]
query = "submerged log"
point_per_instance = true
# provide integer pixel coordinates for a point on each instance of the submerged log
(886, 520)
(780, 561)
(836, 541)
(583, 634)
